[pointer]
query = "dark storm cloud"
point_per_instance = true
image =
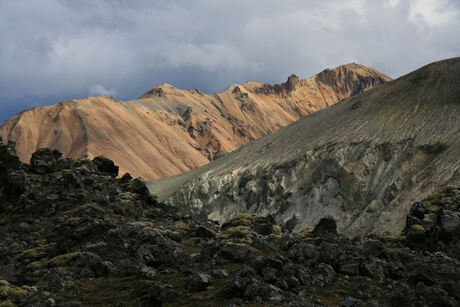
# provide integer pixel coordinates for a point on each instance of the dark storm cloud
(52, 50)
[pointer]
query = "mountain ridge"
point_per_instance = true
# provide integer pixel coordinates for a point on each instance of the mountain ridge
(167, 131)
(385, 148)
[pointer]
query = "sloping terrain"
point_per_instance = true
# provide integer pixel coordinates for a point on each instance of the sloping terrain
(362, 161)
(74, 235)
(168, 131)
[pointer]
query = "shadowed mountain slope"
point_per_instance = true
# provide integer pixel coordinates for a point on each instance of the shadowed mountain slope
(168, 131)
(363, 161)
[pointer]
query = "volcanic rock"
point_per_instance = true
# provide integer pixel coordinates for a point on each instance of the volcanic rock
(104, 241)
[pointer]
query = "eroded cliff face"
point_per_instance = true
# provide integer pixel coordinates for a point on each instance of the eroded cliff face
(361, 185)
(169, 131)
(363, 161)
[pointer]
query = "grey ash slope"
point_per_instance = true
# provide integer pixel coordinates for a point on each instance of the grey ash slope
(362, 161)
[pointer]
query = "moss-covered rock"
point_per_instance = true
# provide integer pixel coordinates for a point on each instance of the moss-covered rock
(34, 253)
(63, 260)
(7, 303)
(17, 294)
(239, 220)
(418, 228)
(241, 233)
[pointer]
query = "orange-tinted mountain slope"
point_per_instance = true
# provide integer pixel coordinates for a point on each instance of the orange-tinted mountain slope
(168, 131)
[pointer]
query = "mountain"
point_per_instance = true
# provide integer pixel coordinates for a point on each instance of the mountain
(363, 161)
(72, 234)
(168, 131)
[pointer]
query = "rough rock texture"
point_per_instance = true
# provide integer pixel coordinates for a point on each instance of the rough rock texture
(168, 131)
(72, 234)
(363, 161)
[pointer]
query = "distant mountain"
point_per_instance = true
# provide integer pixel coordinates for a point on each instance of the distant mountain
(168, 131)
(362, 161)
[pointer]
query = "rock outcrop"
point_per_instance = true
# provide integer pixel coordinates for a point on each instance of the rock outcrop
(73, 234)
(363, 161)
(168, 131)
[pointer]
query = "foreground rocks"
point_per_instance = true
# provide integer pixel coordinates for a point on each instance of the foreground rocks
(74, 234)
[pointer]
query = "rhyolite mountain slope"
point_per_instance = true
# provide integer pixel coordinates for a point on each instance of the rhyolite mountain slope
(72, 234)
(362, 161)
(168, 131)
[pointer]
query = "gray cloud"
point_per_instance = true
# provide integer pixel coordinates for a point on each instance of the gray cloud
(52, 50)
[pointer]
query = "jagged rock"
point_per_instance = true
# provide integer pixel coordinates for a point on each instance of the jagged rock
(450, 222)
(303, 250)
(106, 166)
(290, 224)
(350, 267)
(45, 160)
(234, 251)
(350, 302)
(8, 160)
(205, 232)
(126, 178)
(221, 273)
(325, 226)
(326, 271)
(402, 294)
(199, 282)
(374, 268)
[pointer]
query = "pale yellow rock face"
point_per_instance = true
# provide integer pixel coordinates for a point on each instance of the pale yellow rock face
(168, 131)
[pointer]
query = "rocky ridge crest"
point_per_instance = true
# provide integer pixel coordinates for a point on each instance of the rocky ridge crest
(168, 131)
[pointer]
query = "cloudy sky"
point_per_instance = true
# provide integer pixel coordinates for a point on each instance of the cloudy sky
(52, 50)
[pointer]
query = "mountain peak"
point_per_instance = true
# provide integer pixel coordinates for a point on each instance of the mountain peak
(351, 77)
(159, 90)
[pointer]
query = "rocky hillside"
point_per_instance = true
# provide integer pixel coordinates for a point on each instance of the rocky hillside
(364, 160)
(168, 131)
(74, 235)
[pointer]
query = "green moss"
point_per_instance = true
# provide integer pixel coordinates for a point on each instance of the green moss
(239, 220)
(173, 235)
(62, 260)
(37, 264)
(18, 294)
(396, 239)
(7, 303)
(5, 288)
(432, 208)
(4, 283)
(418, 228)
(442, 197)
(181, 226)
(427, 218)
(35, 253)
(305, 231)
(243, 233)
(238, 231)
